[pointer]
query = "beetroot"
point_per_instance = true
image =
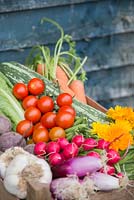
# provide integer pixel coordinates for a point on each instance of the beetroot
(5, 124)
(29, 148)
(11, 139)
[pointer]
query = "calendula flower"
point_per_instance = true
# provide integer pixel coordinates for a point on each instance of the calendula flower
(122, 113)
(117, 133)
(100, 129)
(131, 120)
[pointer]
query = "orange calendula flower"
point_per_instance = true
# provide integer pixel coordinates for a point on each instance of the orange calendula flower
(118, 133)
(131, 120)
(122, 113)
(100, 129)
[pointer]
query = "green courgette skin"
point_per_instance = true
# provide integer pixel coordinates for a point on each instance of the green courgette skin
(17, 72)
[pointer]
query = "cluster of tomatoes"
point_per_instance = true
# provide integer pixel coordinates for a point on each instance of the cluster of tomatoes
(46, 118)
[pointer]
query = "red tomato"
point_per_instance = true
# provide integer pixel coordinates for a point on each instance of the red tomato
(25, 128)
(36, 86)
(48, 119)
(20, 91)
(57, 132)
(38, 125)
(45, 104)
(40, 135)
(69, 109)
(29, 101)
(64, 119)
(32, 114)
(64, 99)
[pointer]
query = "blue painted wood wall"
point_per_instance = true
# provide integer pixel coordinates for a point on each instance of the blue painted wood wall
(103, 30)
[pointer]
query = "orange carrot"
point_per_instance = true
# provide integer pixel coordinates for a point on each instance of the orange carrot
(41, 68)
(63, 80)
(65, 88)
(61, 75)
(77, 87)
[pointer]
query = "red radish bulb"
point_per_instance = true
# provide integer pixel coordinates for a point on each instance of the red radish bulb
(62, 142)
(108, 170)
(120, 175)
(89, 144)
(113, 156)
(40, 148)
(78, 140)
(80, 166)
(103, 144)
(55, 159)
(70, 151)
(94, 154)
(52, 147)
(62, 156)
(105, 182)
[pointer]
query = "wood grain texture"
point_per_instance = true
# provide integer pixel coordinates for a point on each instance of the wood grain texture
(23, 29)
(4, 195)
(103, 31)
(15, 5)
(111, 83)
(41, 192)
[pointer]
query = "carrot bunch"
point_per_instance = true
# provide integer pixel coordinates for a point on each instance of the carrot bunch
(64, 68)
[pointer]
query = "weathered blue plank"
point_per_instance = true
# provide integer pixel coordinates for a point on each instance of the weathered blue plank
(111, 83)
(103, 30)
(83, 21)
(15, 5)
(125, 101)
(103, 53)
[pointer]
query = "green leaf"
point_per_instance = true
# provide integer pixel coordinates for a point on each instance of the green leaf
(9, 105)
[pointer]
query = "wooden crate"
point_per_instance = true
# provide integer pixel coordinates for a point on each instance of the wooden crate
(41, 192)
(36, 191)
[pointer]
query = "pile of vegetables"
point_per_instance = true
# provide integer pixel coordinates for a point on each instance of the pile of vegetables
(77, 149)
(77, 154)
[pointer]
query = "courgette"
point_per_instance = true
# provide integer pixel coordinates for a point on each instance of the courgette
(17, 72)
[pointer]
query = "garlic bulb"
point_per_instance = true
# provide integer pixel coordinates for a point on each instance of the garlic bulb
(7, 157)
(26, 167)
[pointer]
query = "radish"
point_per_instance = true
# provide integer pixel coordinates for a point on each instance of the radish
(113, 156)
(108, 170)
(40, 149)
(89, 144)
(62, 142)
(120, 175)
(105, 182)
(78, 140)
(70, 151)
(80, 166)
(52, 147)
(71, 187)
(94, 154)
(55, 159)
(67, 188)
(103, 144)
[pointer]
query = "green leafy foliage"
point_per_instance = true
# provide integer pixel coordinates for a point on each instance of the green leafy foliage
(66, 58)
(9, 105)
